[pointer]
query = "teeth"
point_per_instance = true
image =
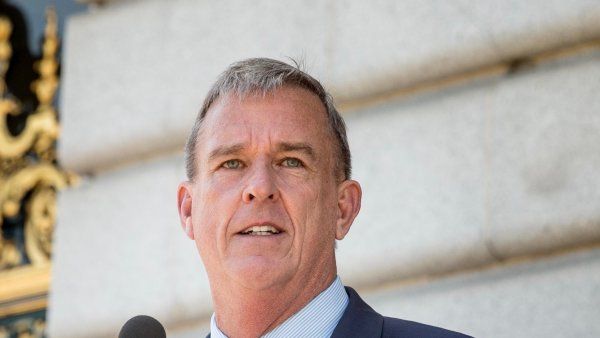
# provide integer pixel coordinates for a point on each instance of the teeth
(261, 230)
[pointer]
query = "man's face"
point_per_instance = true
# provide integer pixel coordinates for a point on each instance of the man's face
(265, 202)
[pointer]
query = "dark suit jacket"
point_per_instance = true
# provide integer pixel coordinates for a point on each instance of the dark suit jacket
(360, 320)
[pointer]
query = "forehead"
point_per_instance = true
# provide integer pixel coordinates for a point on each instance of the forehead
(288, 114)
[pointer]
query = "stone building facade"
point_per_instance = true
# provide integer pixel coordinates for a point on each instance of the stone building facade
(475, 133)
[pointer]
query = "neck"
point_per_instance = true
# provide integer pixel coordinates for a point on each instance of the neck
(242, 312)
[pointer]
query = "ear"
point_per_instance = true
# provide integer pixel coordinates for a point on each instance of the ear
(184, 206)
(349, 197)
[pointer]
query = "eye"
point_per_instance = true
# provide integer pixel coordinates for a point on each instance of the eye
(232, 164)
(291, 162)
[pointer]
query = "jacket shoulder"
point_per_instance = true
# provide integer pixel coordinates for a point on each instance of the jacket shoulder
(394, 327)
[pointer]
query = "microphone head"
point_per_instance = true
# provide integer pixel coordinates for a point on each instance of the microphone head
(142, 327)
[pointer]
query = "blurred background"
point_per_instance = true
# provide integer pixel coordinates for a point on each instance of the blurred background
(474, 129)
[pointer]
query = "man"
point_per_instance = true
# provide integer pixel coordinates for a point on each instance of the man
(268, 194)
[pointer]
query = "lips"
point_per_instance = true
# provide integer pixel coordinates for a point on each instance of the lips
(262, 229)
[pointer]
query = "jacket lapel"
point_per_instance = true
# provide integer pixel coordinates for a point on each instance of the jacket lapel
(359, 319)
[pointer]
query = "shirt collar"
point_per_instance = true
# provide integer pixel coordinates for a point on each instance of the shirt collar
(317, 319)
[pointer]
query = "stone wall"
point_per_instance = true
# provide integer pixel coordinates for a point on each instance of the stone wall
(475, 132)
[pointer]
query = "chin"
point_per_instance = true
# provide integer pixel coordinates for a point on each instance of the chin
(259, 272)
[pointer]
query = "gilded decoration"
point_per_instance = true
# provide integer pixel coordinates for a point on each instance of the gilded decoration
(29, 180)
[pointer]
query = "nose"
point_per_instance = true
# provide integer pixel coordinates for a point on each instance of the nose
(260, 185)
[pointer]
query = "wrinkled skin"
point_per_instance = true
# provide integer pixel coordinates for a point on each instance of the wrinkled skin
(266, 160)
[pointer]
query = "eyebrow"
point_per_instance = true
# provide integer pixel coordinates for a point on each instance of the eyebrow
(300, 147)
(225, 150)
(283, 147)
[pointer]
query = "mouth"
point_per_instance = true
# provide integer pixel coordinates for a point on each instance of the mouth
(261, 230)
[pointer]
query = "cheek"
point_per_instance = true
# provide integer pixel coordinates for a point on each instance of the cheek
(215, 202)
(324, 215)
(312, 209)
(217, 191)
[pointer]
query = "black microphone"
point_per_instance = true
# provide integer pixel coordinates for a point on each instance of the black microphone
(142, 327)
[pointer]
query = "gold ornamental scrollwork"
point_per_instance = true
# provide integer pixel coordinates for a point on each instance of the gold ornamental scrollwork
(30, 176)
(42, 129)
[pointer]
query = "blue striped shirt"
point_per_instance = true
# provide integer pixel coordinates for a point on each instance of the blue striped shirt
(317, 319)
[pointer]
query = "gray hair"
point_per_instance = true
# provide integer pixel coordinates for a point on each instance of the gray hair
(265, 75)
